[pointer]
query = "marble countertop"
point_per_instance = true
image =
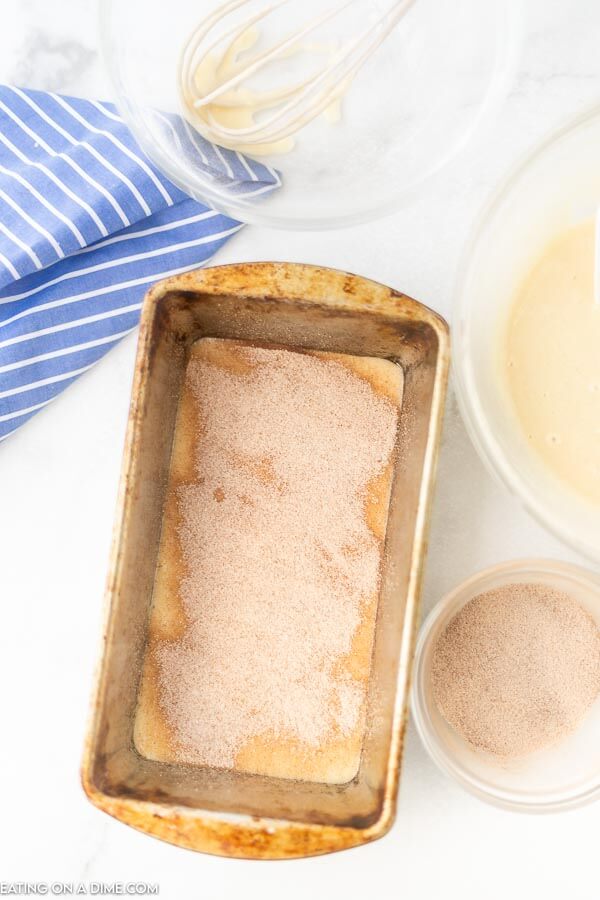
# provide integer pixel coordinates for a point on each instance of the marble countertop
(58, 481)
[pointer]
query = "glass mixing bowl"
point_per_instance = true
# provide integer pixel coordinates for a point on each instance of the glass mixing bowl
(557, 186)
(408, 111)
(560, 777)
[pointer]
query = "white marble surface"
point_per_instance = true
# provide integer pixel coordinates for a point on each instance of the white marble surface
(58, 480)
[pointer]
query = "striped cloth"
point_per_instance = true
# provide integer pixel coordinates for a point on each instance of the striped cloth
(86, 225)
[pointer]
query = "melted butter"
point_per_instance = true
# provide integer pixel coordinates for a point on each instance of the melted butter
(240, 107)
(552, 361)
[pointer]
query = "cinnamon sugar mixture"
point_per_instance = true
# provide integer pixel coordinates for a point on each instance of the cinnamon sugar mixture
(279, 559)
(517, 669)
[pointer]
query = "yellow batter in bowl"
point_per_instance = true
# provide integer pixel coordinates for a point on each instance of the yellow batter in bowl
(551, 359)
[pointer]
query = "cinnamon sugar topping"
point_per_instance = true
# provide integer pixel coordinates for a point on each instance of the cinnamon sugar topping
(279, 557)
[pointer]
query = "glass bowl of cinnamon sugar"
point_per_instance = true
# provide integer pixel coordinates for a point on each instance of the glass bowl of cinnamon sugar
(506, 691)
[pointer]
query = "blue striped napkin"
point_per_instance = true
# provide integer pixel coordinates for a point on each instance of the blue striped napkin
(86, 225)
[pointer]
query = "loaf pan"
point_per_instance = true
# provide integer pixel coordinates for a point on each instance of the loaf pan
(221, 811)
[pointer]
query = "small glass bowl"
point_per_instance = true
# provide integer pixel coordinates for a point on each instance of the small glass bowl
(563, 776)
(411, 108)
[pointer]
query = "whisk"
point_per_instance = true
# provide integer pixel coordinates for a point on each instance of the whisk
(291, 107)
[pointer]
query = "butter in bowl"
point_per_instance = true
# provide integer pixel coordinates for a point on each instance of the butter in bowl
(263, 593)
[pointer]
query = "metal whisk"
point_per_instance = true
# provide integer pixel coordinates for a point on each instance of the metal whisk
(291, 107)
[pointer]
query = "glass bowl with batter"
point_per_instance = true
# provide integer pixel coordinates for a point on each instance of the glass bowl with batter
(411, 108)
(527, 335)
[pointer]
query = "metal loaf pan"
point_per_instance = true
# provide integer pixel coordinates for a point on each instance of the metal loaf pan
(219, 811)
